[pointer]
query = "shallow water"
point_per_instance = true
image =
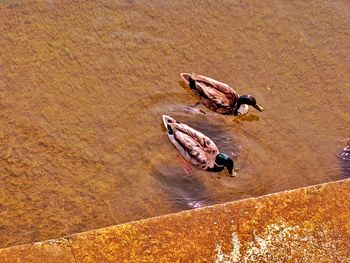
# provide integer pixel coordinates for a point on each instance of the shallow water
(83, 87)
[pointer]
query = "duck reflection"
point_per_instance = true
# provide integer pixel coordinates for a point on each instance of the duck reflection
(184, 191)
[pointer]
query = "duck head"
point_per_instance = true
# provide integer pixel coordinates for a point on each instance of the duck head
(247, 100)
(224, 160)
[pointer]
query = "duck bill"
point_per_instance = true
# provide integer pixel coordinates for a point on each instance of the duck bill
(186, 78)
(258, 107)
(232, 173)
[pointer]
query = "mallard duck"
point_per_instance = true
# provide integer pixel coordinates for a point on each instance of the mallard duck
(197, 148)
(219, 96)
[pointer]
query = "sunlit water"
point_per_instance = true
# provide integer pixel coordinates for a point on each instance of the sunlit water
(83, 88)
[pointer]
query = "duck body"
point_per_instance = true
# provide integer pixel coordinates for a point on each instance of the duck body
(218, 96)
(195, 147)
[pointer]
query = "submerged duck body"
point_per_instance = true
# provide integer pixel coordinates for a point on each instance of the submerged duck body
(196, 148)
(218, 96)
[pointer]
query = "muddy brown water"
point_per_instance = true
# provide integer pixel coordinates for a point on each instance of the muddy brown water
(83, 86)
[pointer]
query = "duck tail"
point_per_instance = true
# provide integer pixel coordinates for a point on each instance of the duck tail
(167, 120)
(188, 79)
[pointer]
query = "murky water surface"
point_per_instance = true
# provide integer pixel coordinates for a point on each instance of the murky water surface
(83, 87)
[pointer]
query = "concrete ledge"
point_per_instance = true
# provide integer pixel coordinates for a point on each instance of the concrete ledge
(51, 251)
(304, 225)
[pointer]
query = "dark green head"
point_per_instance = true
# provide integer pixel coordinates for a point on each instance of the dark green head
(224, 160)
(249, 100)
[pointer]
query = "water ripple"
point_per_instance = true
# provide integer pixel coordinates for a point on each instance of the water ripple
(344, 158)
